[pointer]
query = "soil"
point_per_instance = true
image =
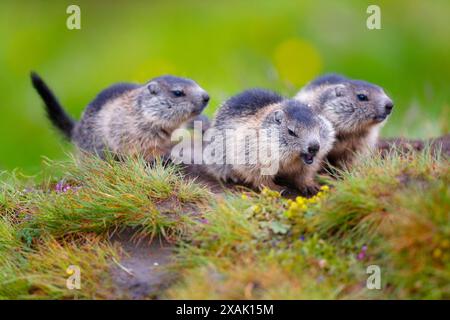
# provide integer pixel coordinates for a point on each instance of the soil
(142, 272)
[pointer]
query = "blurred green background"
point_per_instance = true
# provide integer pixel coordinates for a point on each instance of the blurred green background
(226, 46)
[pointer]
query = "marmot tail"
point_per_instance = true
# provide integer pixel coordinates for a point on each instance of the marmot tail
(55, 111)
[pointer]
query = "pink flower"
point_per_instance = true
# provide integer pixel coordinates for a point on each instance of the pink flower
(362, 254)
(61, 187)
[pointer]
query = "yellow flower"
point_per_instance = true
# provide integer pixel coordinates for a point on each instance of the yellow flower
(437, 253)
(312, 200)
(244, 197)
(270, 193)
(325, 188)
(256, 208)
(300, 200)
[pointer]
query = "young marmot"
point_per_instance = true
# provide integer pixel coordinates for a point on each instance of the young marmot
(301, 139)
(357, 109)
(129, 119)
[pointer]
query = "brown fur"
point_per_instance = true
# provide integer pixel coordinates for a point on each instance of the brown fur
(357, 123)
(291, 165)
(140, 121)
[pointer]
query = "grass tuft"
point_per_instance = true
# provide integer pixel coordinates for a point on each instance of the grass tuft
(101, 196)
(391, 211)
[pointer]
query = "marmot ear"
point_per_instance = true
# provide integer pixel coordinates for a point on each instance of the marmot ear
(153, 88)
(278, 116)
(339, 90)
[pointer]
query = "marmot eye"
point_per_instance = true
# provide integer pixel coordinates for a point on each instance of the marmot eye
(292, 133)
(362, 97)
(178, 93)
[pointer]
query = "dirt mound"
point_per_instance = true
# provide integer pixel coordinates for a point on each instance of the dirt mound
(441, 144)
(143, 273)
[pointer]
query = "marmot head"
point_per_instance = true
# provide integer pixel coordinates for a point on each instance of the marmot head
(351, 105)
(302, 133)
(170, 101)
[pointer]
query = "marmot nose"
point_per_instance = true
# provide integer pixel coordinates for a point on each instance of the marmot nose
(313, 148)
(388, 107)
(205, 98)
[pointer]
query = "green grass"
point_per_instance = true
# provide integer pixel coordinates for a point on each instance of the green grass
(60, 222)
(392, 212)
(266, 247)
(41, 272)
(101, 196)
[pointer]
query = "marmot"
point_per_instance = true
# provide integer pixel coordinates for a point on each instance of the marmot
(357, 109)
(129, 119)
(302, 139)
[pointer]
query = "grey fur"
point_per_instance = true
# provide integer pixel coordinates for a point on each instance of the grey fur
(261, 109)
(357, 123)
(246, 104)
(129, 119)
